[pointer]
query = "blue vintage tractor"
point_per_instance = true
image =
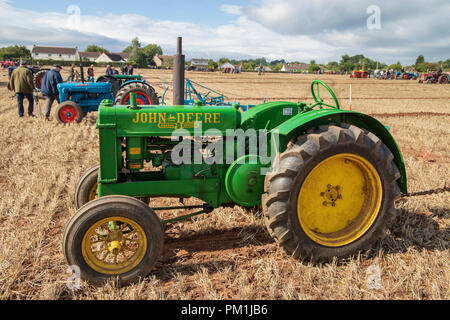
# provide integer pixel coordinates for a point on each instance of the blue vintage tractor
(76, 99)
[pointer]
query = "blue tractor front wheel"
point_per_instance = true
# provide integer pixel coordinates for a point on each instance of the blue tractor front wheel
(69, 112)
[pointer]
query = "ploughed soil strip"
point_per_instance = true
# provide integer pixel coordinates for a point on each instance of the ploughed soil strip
(410, 114)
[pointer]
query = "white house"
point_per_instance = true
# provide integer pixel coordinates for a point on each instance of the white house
(295, 67)
(113, 57)
(199, 64)
(55, 53)
(91, 56)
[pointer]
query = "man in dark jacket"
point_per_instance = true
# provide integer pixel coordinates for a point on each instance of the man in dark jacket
(49, 87)
(109, 71)
(21, 83)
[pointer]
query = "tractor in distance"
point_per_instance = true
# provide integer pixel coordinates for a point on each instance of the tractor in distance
(435, 77)
(408, 76)
(76, 99)
(326, 178)
(6, 64)
(358, 74)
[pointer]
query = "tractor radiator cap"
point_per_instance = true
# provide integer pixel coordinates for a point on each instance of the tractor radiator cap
(107, 103)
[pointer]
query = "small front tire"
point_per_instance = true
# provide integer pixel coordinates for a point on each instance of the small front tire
(113, 237)
(86, 189)
(69, 112)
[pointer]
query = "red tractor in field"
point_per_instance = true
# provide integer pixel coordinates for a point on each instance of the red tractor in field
(6, 64)
(358, 74)
(435, 77)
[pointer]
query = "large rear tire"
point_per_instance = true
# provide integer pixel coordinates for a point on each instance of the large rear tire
(37, 78)
(114, 237)
(146, 95)
(443, 79)
(332, 193)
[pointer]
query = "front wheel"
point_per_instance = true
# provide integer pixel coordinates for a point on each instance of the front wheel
(332, 193)
(87, 186)
(114, 237)
(69, 112)
(86, 189)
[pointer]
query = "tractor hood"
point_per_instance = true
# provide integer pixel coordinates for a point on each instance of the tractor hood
(163, 120)
(95, 87)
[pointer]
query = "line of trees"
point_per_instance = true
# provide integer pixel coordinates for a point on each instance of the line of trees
(139, 55)
(143, 56)
(14, 52)
(347, 63)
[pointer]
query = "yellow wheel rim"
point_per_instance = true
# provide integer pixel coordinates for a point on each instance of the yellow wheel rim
(93, 192)
(339, 200)
(114, 245)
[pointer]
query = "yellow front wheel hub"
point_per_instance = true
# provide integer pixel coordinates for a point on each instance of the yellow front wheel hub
(114, 245)
(339, 200)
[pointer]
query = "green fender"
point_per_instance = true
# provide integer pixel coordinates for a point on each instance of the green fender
(299, 124)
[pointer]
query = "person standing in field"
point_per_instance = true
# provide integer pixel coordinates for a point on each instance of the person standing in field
(72, 74)
(90, 72)
(49, 88)
(109, 71)
(125, 69)
(21, 83)
(12, 68)
(130, 70)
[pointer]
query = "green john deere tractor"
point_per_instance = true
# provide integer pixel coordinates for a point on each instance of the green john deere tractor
(326, 178)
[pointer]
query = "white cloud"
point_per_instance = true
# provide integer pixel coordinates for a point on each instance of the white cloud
(300, 30)
(240, 38)
(408, 27)
(231, 9)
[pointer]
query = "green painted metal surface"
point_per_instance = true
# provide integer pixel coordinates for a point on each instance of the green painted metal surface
(132, 135)
(298, 125)
(163, 120)
(244, 182)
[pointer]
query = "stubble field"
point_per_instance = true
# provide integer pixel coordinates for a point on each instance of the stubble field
(228, 254)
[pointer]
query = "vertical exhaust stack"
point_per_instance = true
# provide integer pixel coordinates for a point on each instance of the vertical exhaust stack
(178, 75)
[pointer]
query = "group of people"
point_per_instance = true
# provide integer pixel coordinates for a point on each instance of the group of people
(21, 82)
(390, 73)
(126, 70)
(74, 75)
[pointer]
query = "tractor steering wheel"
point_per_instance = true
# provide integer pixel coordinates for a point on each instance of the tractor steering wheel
(319, 101)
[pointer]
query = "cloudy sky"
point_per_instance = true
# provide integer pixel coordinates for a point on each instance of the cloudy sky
(295, 30)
